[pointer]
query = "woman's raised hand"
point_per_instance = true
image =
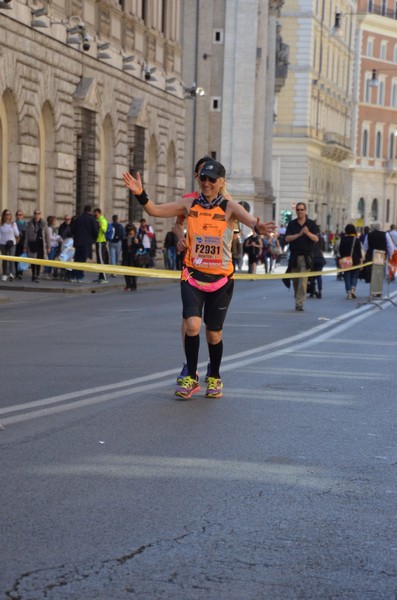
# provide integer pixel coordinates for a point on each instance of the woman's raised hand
(133, 183)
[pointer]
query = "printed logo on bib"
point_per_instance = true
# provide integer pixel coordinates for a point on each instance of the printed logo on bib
(207, 251)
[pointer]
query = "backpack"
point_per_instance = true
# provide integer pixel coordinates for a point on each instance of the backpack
(118, 232)
(109, 234)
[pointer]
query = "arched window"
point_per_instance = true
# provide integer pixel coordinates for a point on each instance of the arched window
(381, 92)
(384, 7)
(391, 146)
(374, 209)
(378, 151)
(365, 143)
(393, 99)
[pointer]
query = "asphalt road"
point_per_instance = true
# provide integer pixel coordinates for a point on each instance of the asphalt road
(284, 489)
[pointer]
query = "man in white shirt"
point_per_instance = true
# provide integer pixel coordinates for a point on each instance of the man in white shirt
(145, 236)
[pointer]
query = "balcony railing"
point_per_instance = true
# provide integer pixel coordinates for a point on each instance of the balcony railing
(336, 147)
(382, 11)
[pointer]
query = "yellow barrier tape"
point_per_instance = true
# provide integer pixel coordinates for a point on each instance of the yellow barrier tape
(161, 273)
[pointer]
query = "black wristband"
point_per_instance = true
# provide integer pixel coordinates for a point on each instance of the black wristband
(256, 230)
(142, 198)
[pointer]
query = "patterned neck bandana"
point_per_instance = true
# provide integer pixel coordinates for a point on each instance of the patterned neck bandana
(205, 204)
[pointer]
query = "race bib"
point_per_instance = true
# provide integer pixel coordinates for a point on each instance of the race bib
(206, 251)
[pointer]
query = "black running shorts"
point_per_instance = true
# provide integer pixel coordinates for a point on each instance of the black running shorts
(215, 304)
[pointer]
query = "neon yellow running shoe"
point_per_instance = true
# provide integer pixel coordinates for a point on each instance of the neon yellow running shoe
(214, 387)
(187, 387)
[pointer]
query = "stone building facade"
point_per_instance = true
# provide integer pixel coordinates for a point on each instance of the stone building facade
(229, 51)
(84, 97)
(374, 176)
(312, 146)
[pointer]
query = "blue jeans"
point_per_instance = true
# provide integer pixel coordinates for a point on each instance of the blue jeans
(114, 252)
(351, 278)
(170, 258)
(51, 256)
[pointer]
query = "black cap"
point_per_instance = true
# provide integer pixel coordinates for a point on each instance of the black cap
(213, 169)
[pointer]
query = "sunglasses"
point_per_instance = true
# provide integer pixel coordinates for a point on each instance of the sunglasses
(300, 209)
(205, 178)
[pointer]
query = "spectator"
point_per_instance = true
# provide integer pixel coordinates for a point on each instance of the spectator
(21, 224)
(301, 235)
(145, 236)
(9, 234)
(55, 244)
(115, 243)
(265, 256)
(130, 245)
(170, 243)
(337, 239)
(376, 240)
(392, 235)
(365, 272)
(351, 246)
(65, 228)
(237, 249)
(254, 247)
(281, 236)
(315, 287)
(101, 247)
(274, 251)
(84, 230)
(66, 251)
(37, 242)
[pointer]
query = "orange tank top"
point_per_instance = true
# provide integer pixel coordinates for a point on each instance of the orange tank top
(209, 238)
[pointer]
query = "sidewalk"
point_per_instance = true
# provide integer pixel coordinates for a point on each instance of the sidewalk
(56, 286)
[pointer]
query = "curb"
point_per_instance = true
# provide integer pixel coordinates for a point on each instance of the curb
(63, 287)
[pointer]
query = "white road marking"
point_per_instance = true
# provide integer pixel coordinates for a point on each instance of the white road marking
(247, 358)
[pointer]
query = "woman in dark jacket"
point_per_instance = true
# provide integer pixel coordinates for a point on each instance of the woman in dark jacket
(351, 246)
(37, 242)
(130, 246)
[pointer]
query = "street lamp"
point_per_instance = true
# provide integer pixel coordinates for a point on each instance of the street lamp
(82, 38)
(194, 91)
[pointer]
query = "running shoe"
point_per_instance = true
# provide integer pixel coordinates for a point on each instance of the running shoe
(183, 374)
(214, 387)
(187, 387)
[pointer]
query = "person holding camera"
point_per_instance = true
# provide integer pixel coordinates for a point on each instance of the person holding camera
(146, 236)
(9, 235)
